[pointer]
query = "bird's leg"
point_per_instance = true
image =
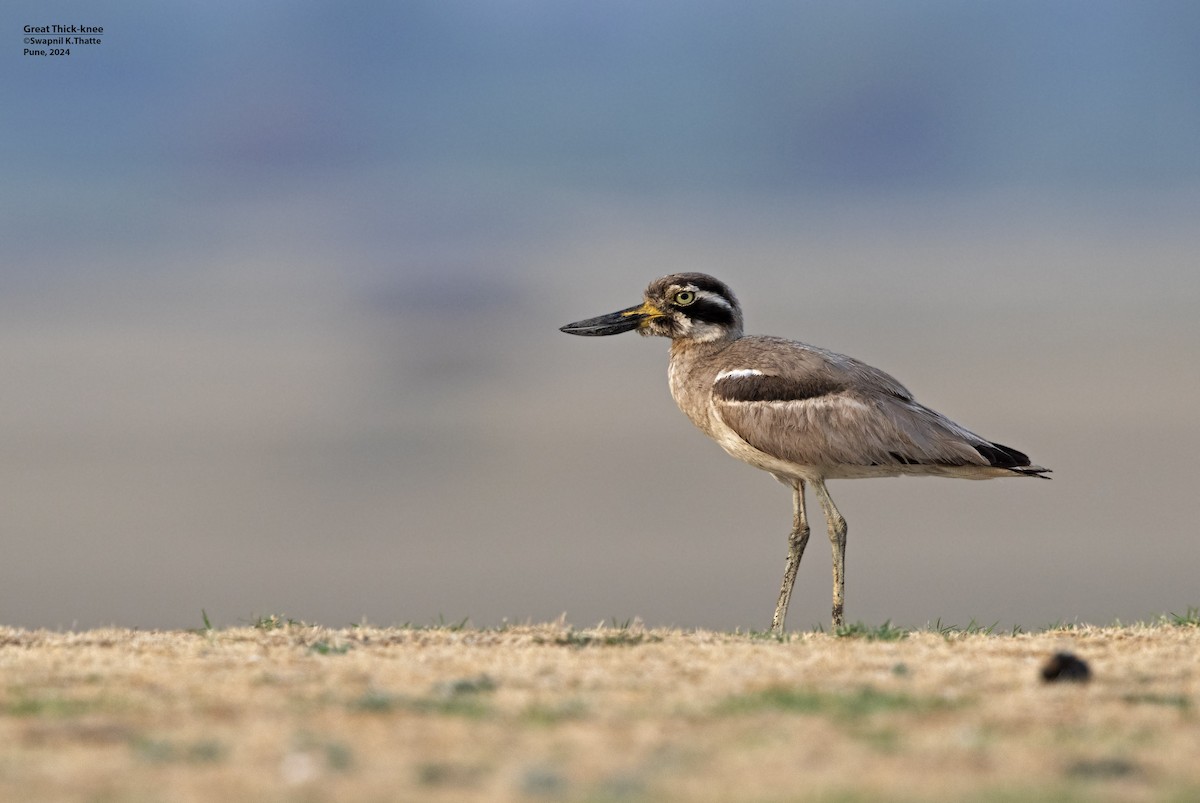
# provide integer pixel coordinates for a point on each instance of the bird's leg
(796, 543)
(837, 539)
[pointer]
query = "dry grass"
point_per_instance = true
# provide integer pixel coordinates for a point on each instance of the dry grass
(546, 712)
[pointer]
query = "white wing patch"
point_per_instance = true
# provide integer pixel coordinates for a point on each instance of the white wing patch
(736, 372)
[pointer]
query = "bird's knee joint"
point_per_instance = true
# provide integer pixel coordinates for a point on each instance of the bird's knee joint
(837, 529)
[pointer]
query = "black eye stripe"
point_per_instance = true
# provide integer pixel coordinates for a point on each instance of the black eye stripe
(709, 311)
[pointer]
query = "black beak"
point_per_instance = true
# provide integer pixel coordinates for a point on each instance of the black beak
(611, 324)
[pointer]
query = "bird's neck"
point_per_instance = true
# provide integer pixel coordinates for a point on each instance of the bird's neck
(688, 349)
(690, 376)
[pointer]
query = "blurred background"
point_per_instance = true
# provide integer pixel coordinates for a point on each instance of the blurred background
(280, 286)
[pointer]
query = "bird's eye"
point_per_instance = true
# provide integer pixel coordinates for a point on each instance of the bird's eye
(684, 297)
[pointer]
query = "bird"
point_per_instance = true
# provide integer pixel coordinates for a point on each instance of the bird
(804, 414)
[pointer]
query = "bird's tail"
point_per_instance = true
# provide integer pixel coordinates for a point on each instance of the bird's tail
(1001, 456)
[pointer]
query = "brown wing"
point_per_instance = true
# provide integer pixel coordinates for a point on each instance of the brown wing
(816, 408)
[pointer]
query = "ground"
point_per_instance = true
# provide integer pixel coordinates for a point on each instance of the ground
(286, 711)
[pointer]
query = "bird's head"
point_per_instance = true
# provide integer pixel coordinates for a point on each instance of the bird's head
(682, 306)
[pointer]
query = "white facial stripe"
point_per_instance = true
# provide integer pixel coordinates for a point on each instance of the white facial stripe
(719, 299)
(706, 294)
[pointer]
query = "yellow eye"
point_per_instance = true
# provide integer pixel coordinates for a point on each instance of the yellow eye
(684, 297)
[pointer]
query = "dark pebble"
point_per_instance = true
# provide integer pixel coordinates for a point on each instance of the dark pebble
(1064, 666)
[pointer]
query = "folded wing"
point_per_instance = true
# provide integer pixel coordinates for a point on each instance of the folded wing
(825, 410)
